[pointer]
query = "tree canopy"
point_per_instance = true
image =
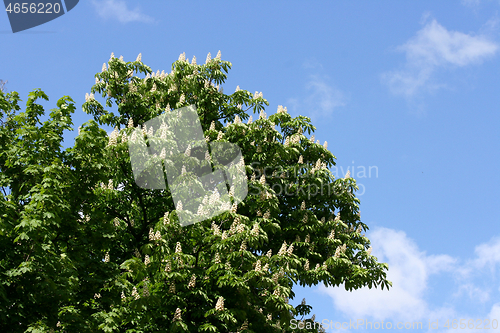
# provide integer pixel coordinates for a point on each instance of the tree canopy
(85, 249)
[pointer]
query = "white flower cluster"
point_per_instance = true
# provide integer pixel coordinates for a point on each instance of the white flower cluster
(166, 219)
(332, 235)
(208, 158)
(89, 97)
(106, 257)
(135, 294)
(168, 267)
(283, 249)
(145, 290)
(177, 315)
(244, 326)
(178, 248)
(306, 265)
(303, 205)
(216, 229)
(217, 258)
(339, 250)
(282, 109)
(113, 137)
(337, 217)
(192, 282)
(171, 289)
(262, 180)
(255, 230)
(146, 260)
(226, 205)
(295, 139)
(301, 160)
(236, 226)
(257, 95)
(154, 236)
(240, 228)
(220, 304)
(258, 266)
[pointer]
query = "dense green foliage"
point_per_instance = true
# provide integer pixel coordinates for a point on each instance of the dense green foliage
(84, 249)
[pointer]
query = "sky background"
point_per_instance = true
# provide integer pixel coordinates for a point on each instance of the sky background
(410, 89)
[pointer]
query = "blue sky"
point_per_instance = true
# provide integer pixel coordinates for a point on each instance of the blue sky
(410, 89)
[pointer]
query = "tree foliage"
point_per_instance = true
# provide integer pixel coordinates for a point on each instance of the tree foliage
(84, 249)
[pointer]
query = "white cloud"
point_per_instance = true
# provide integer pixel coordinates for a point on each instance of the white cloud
(436, 47)
(488, 253)
(412, 271)
(470, 2)
(321, 97)
(118, 10)
(409, 270)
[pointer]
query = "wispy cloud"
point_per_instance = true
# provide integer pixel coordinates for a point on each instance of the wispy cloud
(118, 10)
(470, 2)
(435, 47)
(320, 97)
(412, 271)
